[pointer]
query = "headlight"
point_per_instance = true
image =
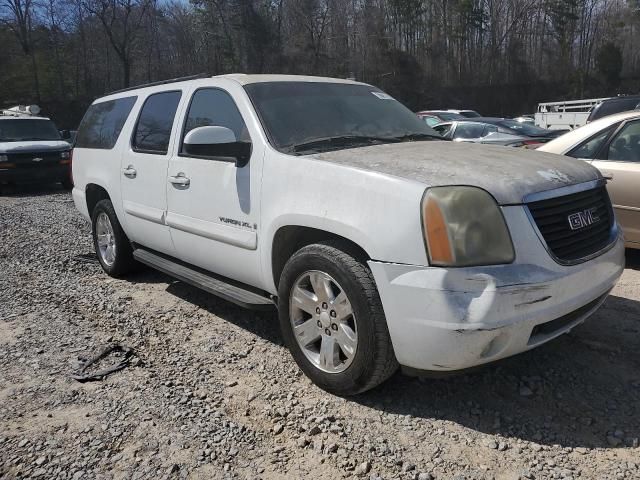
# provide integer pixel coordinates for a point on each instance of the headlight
(64, 155)
(463, 226)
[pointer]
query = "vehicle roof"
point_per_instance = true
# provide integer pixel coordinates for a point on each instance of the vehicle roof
(245, 79)
(570, 139)
(621, 98)
(487, 119)
(240, 78)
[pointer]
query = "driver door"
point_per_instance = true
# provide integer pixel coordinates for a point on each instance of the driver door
(212, 204)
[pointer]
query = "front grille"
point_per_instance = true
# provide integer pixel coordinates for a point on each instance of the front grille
(590, 214)
(25, 159)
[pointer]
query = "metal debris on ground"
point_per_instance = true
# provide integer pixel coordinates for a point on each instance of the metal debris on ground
(122, 354)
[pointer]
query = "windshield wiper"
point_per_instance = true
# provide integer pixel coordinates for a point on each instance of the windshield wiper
(340, 141)
(417, 136)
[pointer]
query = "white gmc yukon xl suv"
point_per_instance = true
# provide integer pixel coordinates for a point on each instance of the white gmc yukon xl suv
(379, 244)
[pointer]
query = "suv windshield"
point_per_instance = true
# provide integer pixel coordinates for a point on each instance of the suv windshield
(27, 129)
(317, 116)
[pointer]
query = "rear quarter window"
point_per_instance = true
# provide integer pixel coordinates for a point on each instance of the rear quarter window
(103, 122)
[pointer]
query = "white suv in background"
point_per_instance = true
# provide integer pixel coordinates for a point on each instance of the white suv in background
(380, 244)
(31, 149)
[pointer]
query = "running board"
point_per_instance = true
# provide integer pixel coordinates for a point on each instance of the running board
(207, 282)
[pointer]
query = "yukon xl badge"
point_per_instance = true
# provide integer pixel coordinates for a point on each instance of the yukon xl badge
(37, 159)
(583, 219)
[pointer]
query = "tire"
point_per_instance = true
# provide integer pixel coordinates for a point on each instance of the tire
(353, 369)
(121, 262)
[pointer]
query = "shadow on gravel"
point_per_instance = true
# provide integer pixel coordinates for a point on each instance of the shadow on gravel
(581, 390)
(263, 324)
(31, 190)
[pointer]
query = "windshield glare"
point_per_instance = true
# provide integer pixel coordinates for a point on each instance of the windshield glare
(300, 112)
(26, 129)
(523, 128)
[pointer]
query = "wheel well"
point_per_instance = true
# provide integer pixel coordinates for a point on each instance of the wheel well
(288, 240)
(94, 194)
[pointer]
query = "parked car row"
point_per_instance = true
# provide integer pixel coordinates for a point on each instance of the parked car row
(496, 131)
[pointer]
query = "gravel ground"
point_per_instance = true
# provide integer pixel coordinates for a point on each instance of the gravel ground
(212, 393)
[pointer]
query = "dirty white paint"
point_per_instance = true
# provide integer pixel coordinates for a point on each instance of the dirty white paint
(508, 174)
(554, 175)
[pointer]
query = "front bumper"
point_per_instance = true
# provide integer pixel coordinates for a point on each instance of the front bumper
(41, 174)
(446, 319)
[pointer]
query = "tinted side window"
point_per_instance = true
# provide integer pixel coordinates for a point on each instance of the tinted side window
(469, 130)
(489, 129)
(102, 124)
(211, 106)
(625, 147)
(442, 129)
(589, 148)
(153, 130)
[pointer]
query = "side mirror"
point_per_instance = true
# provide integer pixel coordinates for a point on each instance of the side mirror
(217, 142)
(65, 134)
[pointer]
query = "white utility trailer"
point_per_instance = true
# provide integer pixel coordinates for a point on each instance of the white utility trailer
(565, 115)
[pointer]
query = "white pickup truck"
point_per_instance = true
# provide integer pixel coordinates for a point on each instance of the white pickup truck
(379, 243)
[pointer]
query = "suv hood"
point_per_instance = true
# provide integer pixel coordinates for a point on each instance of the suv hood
(34, 146)
(507, 173)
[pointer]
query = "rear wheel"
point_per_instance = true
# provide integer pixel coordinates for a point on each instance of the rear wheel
(110, 242)
(332, 319)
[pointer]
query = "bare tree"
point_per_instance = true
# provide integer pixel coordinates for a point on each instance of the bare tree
(121, 20)
(20, 21)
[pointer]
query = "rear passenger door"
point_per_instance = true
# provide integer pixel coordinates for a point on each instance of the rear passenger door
(144, 171)
(620, 161)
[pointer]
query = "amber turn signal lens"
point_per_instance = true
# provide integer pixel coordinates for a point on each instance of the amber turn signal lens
(437, 234)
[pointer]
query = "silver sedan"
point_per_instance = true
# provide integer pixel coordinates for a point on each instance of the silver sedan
(478, 132)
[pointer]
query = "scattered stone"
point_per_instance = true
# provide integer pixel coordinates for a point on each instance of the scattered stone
(363, 468)
(491, 444)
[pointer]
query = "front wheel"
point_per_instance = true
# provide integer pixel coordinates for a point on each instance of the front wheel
(332, 319)
(110, 242)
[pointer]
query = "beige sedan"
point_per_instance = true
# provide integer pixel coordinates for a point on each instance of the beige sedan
(612, 144)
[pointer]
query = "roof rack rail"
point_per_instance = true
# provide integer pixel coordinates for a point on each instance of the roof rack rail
(161, 82)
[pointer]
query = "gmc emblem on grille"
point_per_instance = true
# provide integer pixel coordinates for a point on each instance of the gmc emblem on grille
(583, 219)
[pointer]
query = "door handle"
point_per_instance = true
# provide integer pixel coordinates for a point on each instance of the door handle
(129, 172)
(180, 180)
